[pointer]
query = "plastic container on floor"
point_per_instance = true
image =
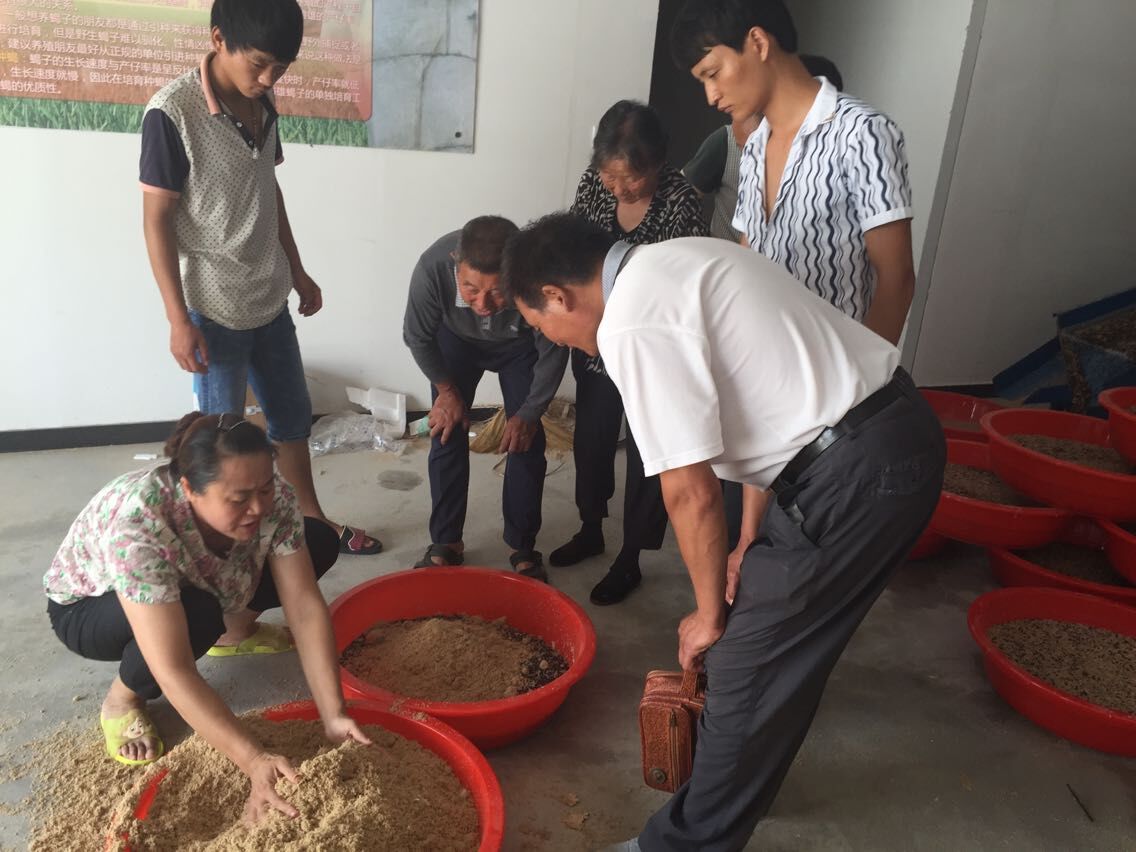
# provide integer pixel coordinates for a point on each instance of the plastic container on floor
(959, 413)
(993, 524)
(468, 764)
(526, 605)
(1051, 708)
(1016, 569)
(1120, 403)
(1082, 490)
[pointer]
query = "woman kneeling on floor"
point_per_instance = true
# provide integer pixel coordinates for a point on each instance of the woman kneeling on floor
(168, 563)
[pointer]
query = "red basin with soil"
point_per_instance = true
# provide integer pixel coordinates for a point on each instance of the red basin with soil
(960, 414)
(1082, 490)
(468, 764)
(1051, 708)
(1119, 403)
(993, 524)
(1016, 569)
(526, 605)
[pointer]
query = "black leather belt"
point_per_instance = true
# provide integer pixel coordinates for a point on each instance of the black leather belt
(851, 421)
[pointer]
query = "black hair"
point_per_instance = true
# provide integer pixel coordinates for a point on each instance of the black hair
(820, 66)
(200, 443)
(561, 248)
(482, 242)
(273, 26)
(630, 131)
(702, 25)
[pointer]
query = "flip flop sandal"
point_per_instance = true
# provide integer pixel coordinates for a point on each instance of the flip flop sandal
(124, 729)
(448, 555)
(268, 639)
(535, 571)
(353, 542)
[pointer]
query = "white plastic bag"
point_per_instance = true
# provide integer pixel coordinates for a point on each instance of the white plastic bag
(349, 432)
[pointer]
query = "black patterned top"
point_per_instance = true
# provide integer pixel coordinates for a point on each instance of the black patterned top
(675, 211)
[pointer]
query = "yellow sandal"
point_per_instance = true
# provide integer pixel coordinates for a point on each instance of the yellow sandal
(268, 639)
(124, 729)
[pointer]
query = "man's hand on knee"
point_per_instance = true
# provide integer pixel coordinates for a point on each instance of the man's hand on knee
(448, 413)
(519, 435)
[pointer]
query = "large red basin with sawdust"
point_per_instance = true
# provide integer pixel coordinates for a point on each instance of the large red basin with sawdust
(467, 763)
(526, 605)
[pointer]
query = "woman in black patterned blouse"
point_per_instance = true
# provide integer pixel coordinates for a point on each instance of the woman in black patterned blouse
(630, 190)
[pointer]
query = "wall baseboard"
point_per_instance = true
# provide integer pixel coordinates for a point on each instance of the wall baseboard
(30, 440)
(73, 437)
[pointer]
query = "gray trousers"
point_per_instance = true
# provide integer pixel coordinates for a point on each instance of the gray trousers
(828, 546)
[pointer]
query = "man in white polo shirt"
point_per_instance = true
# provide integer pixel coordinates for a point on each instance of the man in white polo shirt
(729, 368)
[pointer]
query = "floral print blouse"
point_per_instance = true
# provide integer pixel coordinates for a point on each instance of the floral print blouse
(138, 538)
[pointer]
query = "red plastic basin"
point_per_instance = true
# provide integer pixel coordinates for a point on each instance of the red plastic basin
(1057, 711)
(1083, 490)
(1118, 402)
(928, 545)
(468, 764)
(957, 412)
(1120, 545)
(1014, 569)
(527, 605)
(993, 524)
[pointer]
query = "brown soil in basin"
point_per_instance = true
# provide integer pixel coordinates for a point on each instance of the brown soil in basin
(452, 658)
(1082, 563)
(1096, 665)
(981, 485)
(1077, 452)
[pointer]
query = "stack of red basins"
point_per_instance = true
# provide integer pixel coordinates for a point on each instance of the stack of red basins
(1068, 552)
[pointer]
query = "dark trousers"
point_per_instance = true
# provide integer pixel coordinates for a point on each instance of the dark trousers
(97, 628)
(827, 548)
(448, 464)
(599, 413)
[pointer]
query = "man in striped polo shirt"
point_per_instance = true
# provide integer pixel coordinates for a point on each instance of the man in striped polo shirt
(823, 186)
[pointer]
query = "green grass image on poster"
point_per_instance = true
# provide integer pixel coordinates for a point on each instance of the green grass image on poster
(127, 118)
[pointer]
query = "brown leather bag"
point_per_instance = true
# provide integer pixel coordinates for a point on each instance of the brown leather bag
(668, 719)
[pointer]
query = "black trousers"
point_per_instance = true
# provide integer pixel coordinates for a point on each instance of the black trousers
(599, 414)
(448, 464)
(827, 548)
(97, 628)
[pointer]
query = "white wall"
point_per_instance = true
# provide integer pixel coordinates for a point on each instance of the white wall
(83, 340)
(902, 57)
(1042, 204)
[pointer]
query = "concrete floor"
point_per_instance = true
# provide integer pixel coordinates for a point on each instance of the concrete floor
(912, 750)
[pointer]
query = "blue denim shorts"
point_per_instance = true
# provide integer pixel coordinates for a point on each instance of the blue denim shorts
(268, 358)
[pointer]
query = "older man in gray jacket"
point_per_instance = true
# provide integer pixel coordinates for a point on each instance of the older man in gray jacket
(457, 326)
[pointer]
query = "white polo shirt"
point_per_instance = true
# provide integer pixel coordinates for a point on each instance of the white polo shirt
(845, 175)
(720, 355)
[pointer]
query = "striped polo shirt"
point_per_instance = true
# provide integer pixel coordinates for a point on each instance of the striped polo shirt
(845, 175)
(194, 148)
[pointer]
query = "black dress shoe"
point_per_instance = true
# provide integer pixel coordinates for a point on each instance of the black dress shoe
(583, 544)
(616, 585)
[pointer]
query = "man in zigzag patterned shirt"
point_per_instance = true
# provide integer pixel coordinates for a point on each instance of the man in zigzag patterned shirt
(823, 187)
